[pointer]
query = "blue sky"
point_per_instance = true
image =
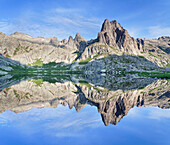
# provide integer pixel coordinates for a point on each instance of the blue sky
(62, 18)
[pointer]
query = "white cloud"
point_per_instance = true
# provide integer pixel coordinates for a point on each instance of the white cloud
(73, 21)
(157, 31)
(159, 114)
(149, 32)
(60, 23)
(134, 32)
(155, 113)
(67, 134)
(66, 10)
(55, 121)
(6, 27)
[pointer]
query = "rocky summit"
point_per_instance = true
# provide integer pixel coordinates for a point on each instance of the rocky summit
(112, 39)
(113, 34)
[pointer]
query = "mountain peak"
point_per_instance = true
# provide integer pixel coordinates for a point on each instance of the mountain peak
(110, 26)
(70, 39)
(79, 38)
(106, 25)
(113, 34)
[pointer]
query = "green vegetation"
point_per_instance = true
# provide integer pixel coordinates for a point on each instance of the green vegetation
(85, 61)
(151, 54)
(141, 56)
(38, 82)
(73, 61)
(50, 64)
(76, 52)
(114, 48)
(16, 50)
(98, 55)
(7, 89)
(27, 49)
(27, 96)
(151, 74)
(102, 54)
(168, 65)
(16, 94)
(103, 45)
(38, 62)
(150, 91)
(143, 52)
(82, 82)
(51, 68)
(82, 62)
(150, 45)
(7, 56)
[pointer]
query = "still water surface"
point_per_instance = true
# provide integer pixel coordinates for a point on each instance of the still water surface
(38, 111)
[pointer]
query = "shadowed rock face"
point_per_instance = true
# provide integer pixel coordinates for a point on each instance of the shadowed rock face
(113, 34)
(7, 64)
(113, 39)
(112, 111)
(113, 104)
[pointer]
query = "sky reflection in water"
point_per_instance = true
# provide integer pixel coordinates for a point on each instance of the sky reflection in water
(143, 125)
(56, 124)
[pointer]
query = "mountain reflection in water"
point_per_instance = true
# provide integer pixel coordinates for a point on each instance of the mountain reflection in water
(113, 96)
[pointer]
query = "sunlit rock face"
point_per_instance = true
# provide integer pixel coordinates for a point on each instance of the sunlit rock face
(27, 49)
(112, 39)
(156, 49)
(112, 102)
(28, 95)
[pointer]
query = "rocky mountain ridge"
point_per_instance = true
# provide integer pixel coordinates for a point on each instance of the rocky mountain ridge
(113, 39)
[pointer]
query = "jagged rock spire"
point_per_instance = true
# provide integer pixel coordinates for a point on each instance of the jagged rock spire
(113, 34)
(79, 38)
(70, 39)
(106, 25)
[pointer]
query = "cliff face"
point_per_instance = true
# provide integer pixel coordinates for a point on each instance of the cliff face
(113, 39)
(113, 34)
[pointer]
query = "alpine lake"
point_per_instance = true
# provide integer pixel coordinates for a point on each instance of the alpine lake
(75, 108)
